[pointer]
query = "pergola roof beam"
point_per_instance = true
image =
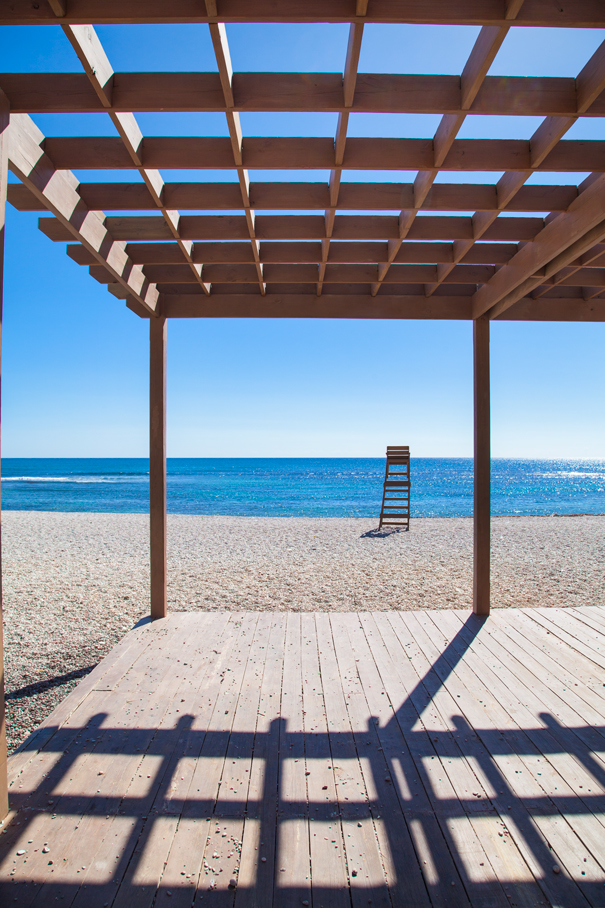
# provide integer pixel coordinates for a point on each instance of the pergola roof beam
(286, 253)
(535, 13)
(309, 196)
(286, 153)
(234, 305)
(469, 275)
(294, 92)
(307, 227)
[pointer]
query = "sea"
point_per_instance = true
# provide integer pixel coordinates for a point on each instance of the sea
(299, 487)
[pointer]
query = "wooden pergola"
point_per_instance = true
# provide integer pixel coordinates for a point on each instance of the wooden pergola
(410, 263)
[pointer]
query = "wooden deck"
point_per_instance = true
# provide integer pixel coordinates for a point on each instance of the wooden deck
(384, 759)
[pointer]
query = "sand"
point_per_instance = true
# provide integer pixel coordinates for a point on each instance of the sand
(75, 583)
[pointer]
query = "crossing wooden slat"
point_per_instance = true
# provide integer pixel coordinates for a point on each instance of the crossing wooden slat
(582, 14)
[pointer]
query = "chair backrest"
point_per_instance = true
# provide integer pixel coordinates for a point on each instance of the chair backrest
(398, 454)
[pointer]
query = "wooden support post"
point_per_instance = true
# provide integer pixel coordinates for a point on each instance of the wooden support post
(482, 453)
(157, 465)
(4, 121)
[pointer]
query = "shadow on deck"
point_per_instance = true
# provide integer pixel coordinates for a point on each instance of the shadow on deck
(331, 760)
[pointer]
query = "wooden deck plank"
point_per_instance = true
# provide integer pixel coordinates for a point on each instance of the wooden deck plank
(201, 674)
(143, 873)
(411, 747)
(567, 677)
(87, 720)
(359, 836)
(502, 851)
(593, 615)
(478, 824)
(226, 830)
(384, 703)
(436, 861)
(186, 851)
(293, 885)
(74, 724)
(394, 837)
(570, 718)
(329, 881)
(119, 660)
(521, 786)
(524, 706)
(198, 790)
(571, 622)
(369, 867)
(157, 717)
(256, 878)
(578, 667)
(375, 756)
(570, 633)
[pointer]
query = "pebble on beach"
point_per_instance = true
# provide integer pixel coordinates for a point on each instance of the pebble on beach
(74, 584)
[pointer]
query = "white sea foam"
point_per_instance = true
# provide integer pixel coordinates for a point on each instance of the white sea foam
(60, 479)
(573, 473)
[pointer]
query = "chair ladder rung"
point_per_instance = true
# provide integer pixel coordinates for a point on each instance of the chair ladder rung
(395, 510)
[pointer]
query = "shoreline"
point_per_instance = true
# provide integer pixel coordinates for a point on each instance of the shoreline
(294, 516)
(76, 582)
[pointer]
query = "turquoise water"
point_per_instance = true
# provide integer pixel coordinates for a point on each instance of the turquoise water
(300, 487)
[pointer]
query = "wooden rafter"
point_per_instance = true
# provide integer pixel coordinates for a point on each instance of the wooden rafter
(589, 85)
(482, 55)
(223, 59)
(348, 87)
(57, 190)
(568, 236)
(87, 46)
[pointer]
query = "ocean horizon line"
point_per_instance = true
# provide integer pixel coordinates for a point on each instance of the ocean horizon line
(302, 486)
(508, 457)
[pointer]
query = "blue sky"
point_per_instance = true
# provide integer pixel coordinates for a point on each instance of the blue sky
(75, 360)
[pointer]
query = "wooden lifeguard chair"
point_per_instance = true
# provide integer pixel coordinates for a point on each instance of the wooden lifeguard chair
(395, 511)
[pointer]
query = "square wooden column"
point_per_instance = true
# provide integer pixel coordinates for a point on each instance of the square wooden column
(482, 457)
(157, 465)
(4, 121)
